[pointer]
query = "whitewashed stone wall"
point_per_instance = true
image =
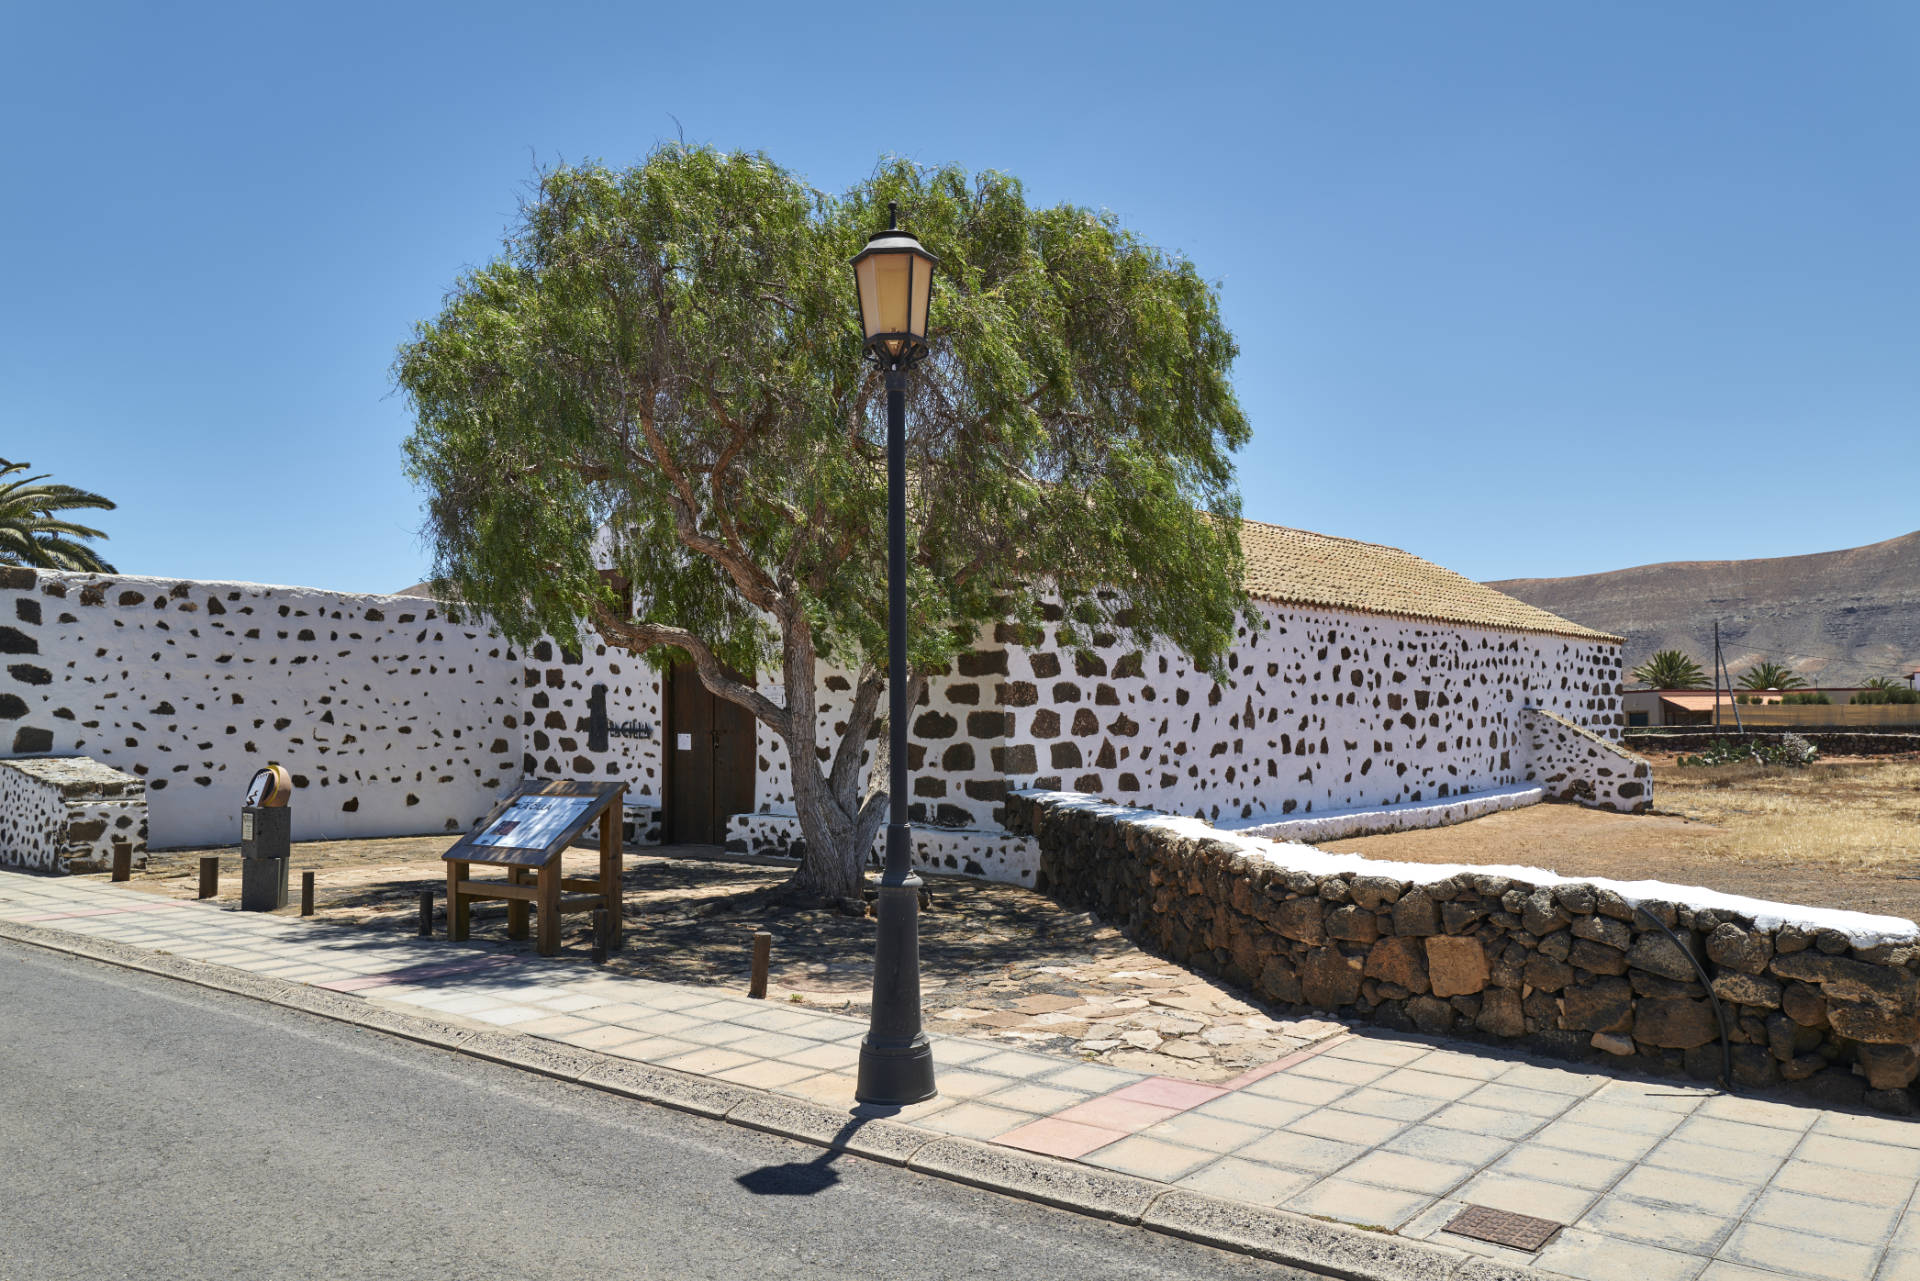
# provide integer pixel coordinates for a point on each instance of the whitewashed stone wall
(1325, 712)
(69, 814)
(392, 719)
(1575, 764)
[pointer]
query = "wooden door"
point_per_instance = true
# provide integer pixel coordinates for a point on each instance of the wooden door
(710, 750)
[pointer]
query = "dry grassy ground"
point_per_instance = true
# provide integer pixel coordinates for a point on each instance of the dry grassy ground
(1840, 833)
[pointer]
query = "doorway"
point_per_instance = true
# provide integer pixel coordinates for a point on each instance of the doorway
(710, 746)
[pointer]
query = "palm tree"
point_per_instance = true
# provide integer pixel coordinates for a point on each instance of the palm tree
(1670, 669)
(1882, 682)
(1770, 675)
(32, 534)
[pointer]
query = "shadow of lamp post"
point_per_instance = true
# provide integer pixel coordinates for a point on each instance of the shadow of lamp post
(894, 278)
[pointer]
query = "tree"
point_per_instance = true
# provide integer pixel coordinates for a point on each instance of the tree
(1770, 675)
(667, 358)
(1670, 669)
(31, 531)
(1883, 682)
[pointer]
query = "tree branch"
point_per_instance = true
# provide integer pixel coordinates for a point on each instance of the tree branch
(638, 638)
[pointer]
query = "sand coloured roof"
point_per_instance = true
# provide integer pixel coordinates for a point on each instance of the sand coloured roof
(1294, 567)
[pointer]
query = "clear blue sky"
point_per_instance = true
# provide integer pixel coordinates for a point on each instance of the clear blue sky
(1529, 289)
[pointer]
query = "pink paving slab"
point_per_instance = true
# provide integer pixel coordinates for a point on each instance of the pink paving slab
(1265, 1070)
(1168, 1092)
(1109, 1113)
(1051, 1136)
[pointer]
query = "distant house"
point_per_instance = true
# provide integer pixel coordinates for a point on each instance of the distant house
(1673, 708)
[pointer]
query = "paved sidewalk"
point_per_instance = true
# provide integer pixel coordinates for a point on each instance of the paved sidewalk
(1655, 1180)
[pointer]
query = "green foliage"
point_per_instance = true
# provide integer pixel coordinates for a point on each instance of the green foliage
(1770, 675)
(1670, 669)
(1791, 750)
(1881, 696)
(672, 350)
(1805, 700)
(31, 530)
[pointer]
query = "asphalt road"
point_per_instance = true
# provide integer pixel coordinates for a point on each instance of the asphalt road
(151, 1129)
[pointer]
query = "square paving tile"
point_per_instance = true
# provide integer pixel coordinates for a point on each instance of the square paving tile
(1592, 1257)
(707, 1061)
(1502, 1097)
(1557, 1165)
(1206, 1133)
(1630, 1118)
(1716, 1163)
(1517, 1195)
(1089, 1077)
(1366, 1205)
(1742, 1136)
(1800, 1255)
(1150, 1158)
(1448, 1145)
(1851, 1154)
(1298, 1089)
(1235, 1179)
(601, 1038)
(767, 1074)
(1427, 1085)
(1845, 1220)
(652, 1049)
(1053, 1137)
(1399, 1107)
(1784, 1116)
(1471, 1118)
(1575, 1137)
(821, 1056)
(1254, 1109)
(1014, 1064)
(1474, 1067)
(1843, 1185)
(1324, 1067)
(1348, 1127)
(1869, 1129)
(1301, 1152)
(1554, 1080)
(975, 1120)
(969, 1085)
(1688, 1191)
(1667, 1226)
(952, 1051)
(1041, 1100)
(1367, 1049)
(1408, 1173)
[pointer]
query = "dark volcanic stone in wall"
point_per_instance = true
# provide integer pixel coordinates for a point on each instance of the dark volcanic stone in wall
(1570, 970)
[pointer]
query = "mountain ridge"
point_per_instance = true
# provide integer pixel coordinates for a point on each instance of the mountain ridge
(1836, 618)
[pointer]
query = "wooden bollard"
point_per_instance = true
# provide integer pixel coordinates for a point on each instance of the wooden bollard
(599, 936)
(426, 914)
(122, 860)
(762, 954)
(306, 893)
(209, 875)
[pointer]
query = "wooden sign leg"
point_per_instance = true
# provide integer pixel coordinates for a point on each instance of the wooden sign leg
(549, 943)
(457, 903)
(610, 868)
(516, 907)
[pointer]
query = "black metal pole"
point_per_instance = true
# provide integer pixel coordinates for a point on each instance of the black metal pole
(896, 1060)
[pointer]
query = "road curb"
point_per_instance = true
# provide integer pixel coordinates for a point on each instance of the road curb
(1314, 1245)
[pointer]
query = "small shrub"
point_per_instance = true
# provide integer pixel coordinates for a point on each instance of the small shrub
(1898, 695)
(1807, 700)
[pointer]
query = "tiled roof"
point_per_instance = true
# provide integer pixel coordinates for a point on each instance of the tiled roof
(1294, 567)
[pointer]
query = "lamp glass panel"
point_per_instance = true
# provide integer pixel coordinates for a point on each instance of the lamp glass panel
(891, 281)
(863, 272)
(922, 290)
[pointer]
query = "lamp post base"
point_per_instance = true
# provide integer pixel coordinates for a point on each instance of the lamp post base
(896, 1059)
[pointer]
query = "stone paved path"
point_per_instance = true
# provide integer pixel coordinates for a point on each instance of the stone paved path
(1653, 1180)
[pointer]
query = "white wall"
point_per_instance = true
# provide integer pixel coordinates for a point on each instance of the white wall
(392, 719)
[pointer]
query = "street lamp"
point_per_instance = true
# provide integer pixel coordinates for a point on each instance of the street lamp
(894, 277)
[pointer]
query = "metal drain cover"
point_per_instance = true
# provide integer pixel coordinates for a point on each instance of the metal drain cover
(1520, 1231)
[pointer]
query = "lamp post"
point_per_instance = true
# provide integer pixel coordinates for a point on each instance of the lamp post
(894, 277)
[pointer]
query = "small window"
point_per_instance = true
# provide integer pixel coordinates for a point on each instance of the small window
(1636, 720)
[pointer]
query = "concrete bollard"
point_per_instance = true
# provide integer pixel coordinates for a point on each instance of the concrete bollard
(762, 956)
(306, 893)
(209, 875)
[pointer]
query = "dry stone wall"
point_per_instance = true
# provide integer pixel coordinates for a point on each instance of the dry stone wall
(70, 814)
(1826, 1001)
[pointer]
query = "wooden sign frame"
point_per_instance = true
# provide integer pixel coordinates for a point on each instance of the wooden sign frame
(533, 873)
